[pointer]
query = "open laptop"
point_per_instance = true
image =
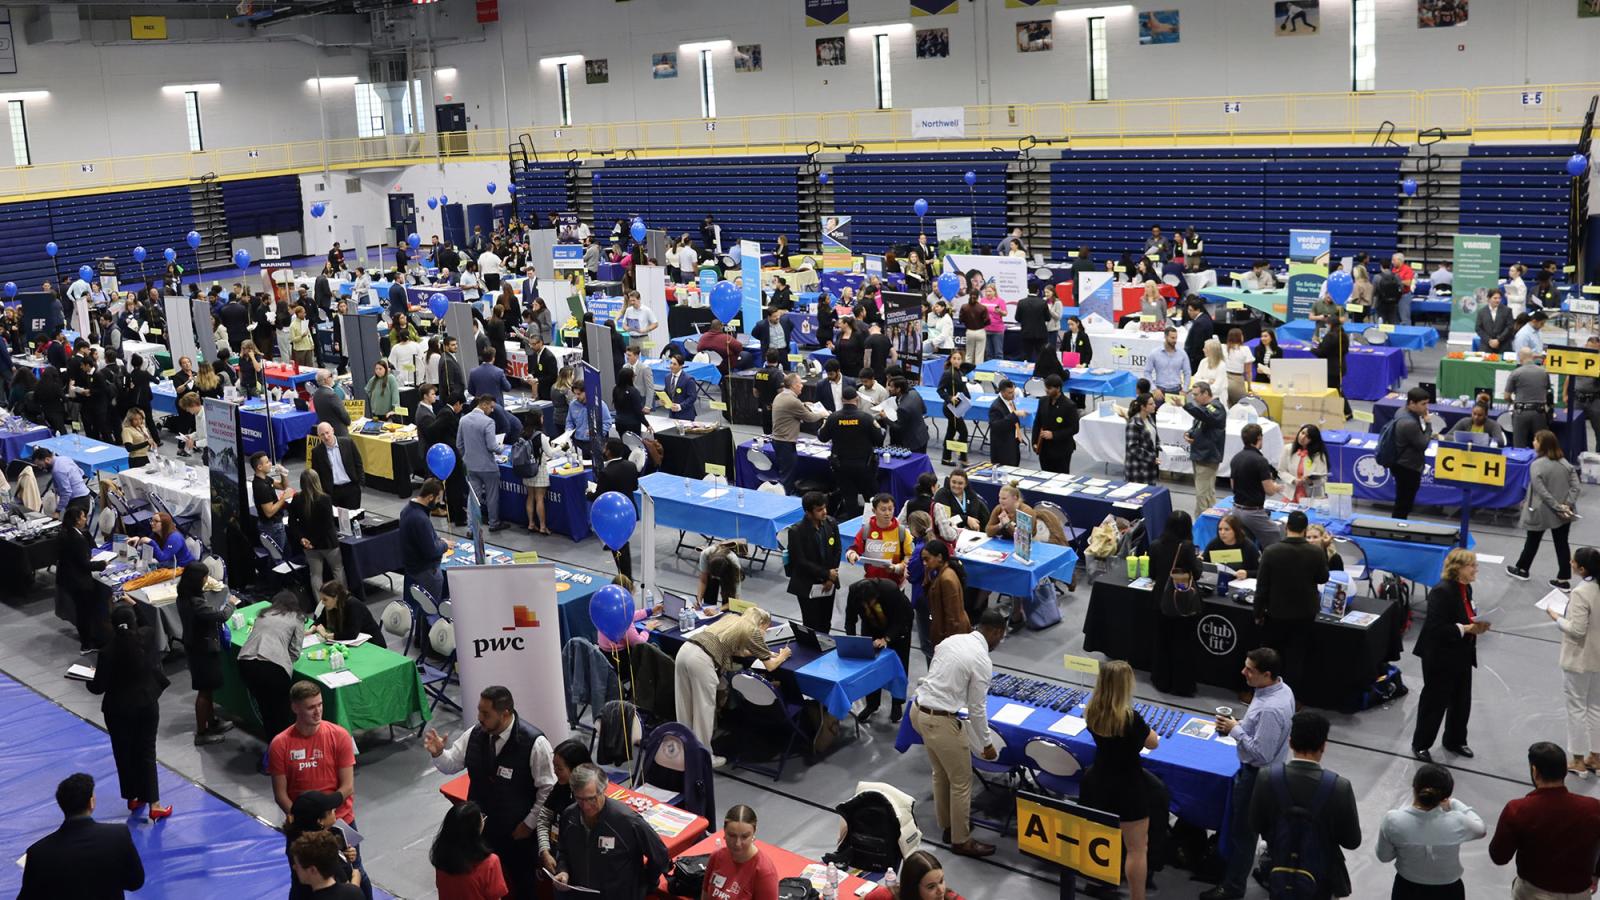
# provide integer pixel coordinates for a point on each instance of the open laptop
(855, 647)
(671, 605)
(810, 639)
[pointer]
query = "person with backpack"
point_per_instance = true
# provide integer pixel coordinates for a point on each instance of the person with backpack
(1403, 448)
(1307, 813)
(1261, 739)
(1424, 839)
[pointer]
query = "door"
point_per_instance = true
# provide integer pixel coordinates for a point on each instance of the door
(451, 121)
(402, 215)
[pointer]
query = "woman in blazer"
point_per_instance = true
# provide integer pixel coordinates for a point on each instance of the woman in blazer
(1266, 350)
(826, 319)
(202, 648)
(128, 675)
(1580, 664)
(628, 404)
(1552, 499)
(1076, 340)
(1448, 645)
(1142, 454)
(1303, 467)
(953, 383)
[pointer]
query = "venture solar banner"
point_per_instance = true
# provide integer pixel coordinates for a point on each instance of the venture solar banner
(827, 12)
(933, 7)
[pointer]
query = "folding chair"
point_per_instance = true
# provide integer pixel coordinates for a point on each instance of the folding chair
(761, 462)
(288, 571)
(1053, 767)
(184, 523)
(135, 519)
(672, 760)
(437, 679)
(769, 709)
(1034, 387)
(1010, 774)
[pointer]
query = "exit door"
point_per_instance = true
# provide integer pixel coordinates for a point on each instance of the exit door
(451, 121)
(402, 215)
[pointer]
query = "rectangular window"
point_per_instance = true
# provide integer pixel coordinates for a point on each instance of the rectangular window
(880, 71)
(1098, 88)
(1363, 45)
(564, 87)
(708, 87)
(369, 112)
(19, 134)
(191, 107)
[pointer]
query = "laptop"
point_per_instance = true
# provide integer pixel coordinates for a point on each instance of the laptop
(855, 647)
(810, 639)
(671, 605)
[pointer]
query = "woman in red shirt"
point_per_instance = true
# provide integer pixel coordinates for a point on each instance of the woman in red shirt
(463, 866)
(739, 870)
(921, 878)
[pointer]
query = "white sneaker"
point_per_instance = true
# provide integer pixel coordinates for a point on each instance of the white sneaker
(719, 762)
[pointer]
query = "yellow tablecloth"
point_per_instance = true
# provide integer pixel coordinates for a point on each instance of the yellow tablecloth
(1274, 398)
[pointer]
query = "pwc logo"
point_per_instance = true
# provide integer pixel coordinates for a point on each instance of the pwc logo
(521, 617)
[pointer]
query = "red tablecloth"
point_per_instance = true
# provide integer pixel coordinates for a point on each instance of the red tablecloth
(789, 865)
(678, 829)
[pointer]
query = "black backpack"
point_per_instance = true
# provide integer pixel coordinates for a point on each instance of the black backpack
(1298, 848)
(688, 875)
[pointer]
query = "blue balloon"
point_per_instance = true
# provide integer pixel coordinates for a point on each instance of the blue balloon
(413, 240)
(433, 202)
(241, 258)
(949, 285)
(438, 304)
(1577, 165)
(441, 460)
(971, 178)
(194, 239)
(11, 289)
(824, 178)
(139, 254)
(51, 249)
(611, 611)
(86, 273)
(170, 255)
(511, 189)
(491, 187)
(317, 209)
(1339, 286)
(725, 301)
(638, 230)
(443, 200)
(921, 207)
(1409, 186)
(612, 517)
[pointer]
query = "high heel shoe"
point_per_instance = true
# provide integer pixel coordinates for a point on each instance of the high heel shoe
(160, 812)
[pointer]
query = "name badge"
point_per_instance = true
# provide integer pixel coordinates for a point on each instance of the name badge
(608, 843)
(503, 772)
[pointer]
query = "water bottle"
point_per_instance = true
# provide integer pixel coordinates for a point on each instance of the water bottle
(336, 659)
(355, 527)
(830, 888)
(740, 497)
(891, 881)
(686, 619)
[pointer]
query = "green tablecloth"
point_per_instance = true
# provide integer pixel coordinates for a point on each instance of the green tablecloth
(1463, 376)
(390, 691)
(164, 361)
(1271, 303)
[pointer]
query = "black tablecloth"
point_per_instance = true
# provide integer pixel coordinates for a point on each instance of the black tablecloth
(681, 319)
(19, 560)
(744, 404)
(1121, 622)
(368, 556)
(688, 454)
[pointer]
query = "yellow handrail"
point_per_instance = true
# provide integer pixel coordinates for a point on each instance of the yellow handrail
(1536, 113)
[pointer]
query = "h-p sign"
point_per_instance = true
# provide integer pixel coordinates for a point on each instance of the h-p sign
(939, 122)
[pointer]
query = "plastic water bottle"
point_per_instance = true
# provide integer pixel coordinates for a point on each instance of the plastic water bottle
(686, 619)
(336, 659)
(830, 887)
(740, 497)
(891, 881)
(355, 527)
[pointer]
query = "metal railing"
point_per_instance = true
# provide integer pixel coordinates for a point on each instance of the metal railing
(1533, 113)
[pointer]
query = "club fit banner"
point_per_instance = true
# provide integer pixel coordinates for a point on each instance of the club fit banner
(1308, 269)
(939, 122)
(510, 635)
(933, 7)
(750, 290)
(1477, 269)
(827, 12)
(836, 243)
(1097, 295)
(1009, 274)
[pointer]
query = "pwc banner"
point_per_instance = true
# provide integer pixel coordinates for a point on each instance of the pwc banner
(507, 633)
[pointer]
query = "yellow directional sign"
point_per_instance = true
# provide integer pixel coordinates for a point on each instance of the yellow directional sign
(1074, 837)
(1469, 466)
(1572, 361)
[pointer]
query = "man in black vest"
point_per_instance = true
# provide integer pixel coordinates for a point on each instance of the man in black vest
(510, 764)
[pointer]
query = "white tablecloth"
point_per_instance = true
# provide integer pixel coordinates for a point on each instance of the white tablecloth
(181, 497)
(1135, 347)
(146, 350)
(1104, 437)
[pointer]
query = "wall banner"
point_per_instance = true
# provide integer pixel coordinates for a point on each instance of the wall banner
(827, 12)
(939, 122)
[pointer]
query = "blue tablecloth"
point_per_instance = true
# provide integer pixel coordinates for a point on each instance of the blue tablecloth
(1153, 503)
(418, 295)
(1572, 430)
(835, 281)
(1370, 372)
(289, 427)
(91, 456)
(898, 476)
(13, 444)
(699, 371)
(566, 503)
(1009, 576)
(803, 328)
(1405, 337)
(1198, 773)
(760, 520)
(347, 288)
(574, 587)
(1109, 382)
(1422, 563)
(836, 682)
(933, 369)
(1351, 459)
(979, 411)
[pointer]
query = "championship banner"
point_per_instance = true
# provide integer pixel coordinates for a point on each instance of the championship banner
(933, 7)
(1477, 270)
(1308, 269)
(953, 234)
(750, 290)
(939, 121)
(226, 469)
(510, 635)
(1097, 295)
(827, 12)
(836, 243)
(1009, 274)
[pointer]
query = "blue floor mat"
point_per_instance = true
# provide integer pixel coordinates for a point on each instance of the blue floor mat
(208, 848)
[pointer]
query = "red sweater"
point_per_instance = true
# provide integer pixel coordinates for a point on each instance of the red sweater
(1554, 835)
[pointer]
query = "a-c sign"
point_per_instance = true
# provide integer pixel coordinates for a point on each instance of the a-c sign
(1077, 838)
(939, 122)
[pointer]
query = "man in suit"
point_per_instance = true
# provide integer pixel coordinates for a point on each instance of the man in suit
(427, 407)
(680, 390)
(1005, 427)
(338, 463)
(542, 367)
(236, 319)
(1032, 311)
(477, 449)
(644, 377)
(910, 426)
(488, 379)
(1333, 807)
(814, 562)
(773, 332)
(327, 405)
(830, 392)
(443, 430)
(74, 578)
(1055, 428)
(1494, 325)
(1201, 329)
(1288, 587)
(1335, 349)
(397, 301)
(83, 858)
(452, 380)
(1448, 646)
(876, 350)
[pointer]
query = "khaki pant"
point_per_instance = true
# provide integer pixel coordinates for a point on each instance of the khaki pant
(1205, 487)
(951, 756)
(694, 686)
(977, 338)
(1521, 890)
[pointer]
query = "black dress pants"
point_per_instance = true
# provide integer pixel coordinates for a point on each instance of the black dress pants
(93, 615)
(268, 685)
(1292, 639)
(1172, 671)
(1406, 484)
(1446, 697)
(955, 429)
(816, 613)
(133, 746)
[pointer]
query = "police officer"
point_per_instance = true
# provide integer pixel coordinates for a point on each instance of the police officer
(1055, 428)
(1528, 389)
(510, 763)
(768, 382)
(1586, 391)
(854, 436)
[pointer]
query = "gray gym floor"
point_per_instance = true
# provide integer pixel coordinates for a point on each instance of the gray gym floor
(1517, 700)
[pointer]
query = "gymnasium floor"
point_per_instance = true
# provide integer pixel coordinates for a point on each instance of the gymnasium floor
(1517, 700)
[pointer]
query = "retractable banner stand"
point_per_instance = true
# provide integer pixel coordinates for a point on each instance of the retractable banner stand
(750, 292)
(458, 324)
(1008, 273)
(225, 468)
(902, 319)
(205, 338)
(1097, 295)
(1477, 270)
(651, 282)
(1309, 252)
(508, 634)
(361, 349)
(836, 242)
(180, 328)
(594, 389)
